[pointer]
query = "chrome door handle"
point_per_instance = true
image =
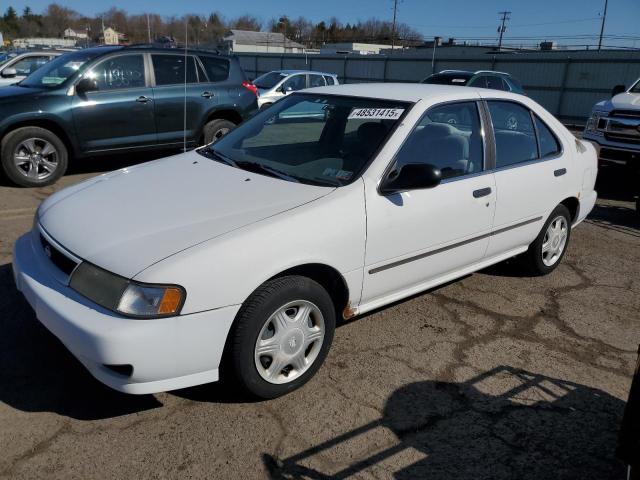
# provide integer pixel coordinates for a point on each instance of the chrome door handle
(559, 172)
(207, 94)
(143, 99)
(482, 192)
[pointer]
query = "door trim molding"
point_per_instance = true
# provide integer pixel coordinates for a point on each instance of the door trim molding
(420, 256)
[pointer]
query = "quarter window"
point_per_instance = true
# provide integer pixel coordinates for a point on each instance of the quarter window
(548, 143)
(170, 69)
(514, 133)
(217, 68)
(122, 71)
(448, 137)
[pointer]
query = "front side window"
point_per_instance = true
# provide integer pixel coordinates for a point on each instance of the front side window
(119, 72)
(496, 83)
(170, 69)
(448, 137)
(217, 68)
(514, 133)
(547, 141)
(28, 65)
(269, 80)
(315, 139)
(479, 82)
(294, 83)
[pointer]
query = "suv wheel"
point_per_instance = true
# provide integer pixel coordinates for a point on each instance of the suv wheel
(33, 157)
(281, 336)
(547, 250)
(216, 129)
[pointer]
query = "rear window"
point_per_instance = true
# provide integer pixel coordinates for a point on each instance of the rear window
(217, 68)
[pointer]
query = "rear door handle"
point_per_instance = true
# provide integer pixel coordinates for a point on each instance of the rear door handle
(559, 172)
(207, 94)
(143, 99)
(483, 192)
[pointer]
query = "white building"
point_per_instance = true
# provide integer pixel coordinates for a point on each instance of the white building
(112, 37)
(356, 48)
(72, 34)
(249, 41)
(43, 42)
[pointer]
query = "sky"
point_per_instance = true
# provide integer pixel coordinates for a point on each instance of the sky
(462, 19)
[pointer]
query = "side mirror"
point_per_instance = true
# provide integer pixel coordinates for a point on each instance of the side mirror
(86, 85)
(412, 176)
(9, 73)
(617, 90)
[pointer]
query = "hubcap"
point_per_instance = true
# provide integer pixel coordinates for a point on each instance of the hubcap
(555, 239)
(289, 342)
(36, 158)
(219, 134)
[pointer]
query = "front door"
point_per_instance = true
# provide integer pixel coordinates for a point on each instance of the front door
(417, 237)
(120, 113)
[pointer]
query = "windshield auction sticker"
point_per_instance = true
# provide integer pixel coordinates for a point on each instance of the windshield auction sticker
(376, 113)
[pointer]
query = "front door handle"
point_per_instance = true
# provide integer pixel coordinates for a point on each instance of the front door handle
(143, 99)
(207, 94)
(482, 192)
(559, 172)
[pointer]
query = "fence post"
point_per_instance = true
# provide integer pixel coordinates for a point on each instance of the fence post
(282, 62)
(563, 86)
(384, 72)
(493, 63)
(255, 66)
(344, 70)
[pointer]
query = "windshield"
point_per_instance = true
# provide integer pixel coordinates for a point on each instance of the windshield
(57, 71)
(269, 80)
(458, 78)
(321, 140)
(635, 88)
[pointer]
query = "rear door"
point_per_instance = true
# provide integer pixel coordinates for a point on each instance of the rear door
(120, 113)
(178, 93)
(530, 174)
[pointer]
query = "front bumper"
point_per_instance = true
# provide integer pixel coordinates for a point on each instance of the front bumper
(166, 354)
(614, 151)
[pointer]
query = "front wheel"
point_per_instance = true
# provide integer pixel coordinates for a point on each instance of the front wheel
(216, 129)
(282, 335)
(33, 157)
(547, 250)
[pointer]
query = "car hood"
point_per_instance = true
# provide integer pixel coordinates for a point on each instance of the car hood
(127, 220)
(13, 91)
(624, 100)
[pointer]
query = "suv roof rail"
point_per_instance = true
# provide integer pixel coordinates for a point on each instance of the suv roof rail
(177, 49)
(493, 71)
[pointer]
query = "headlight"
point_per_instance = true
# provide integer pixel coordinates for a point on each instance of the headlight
(592, 123)
(125, 296)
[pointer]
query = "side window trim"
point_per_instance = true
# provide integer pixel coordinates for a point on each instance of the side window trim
(200, 70)
(486, 150)
(535, 129)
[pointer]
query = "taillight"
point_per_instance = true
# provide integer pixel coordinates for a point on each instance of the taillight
(251, 87)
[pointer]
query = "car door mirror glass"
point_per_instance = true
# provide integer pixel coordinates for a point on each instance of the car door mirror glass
(86, 85)
(9, 73)
(412, 176)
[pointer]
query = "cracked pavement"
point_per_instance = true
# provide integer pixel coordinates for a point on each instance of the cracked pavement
(494, 375)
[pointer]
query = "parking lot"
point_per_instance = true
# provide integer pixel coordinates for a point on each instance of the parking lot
(492, 376)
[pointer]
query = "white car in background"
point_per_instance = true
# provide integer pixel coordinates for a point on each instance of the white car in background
(272, 86)
(18, 66)
(247, 250)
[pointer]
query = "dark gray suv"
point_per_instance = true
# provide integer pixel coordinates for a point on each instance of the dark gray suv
(117, 99)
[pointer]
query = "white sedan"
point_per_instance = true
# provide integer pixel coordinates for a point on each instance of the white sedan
(333, 202)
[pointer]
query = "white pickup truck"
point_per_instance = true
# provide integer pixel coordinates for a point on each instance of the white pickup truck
(614, 126)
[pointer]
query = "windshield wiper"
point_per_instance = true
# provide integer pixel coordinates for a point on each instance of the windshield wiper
(210, 152)
(274, 172)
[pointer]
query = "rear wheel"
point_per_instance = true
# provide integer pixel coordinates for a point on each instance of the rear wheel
(282, 335)
(216, 129)
(547, 250)
(33, 157)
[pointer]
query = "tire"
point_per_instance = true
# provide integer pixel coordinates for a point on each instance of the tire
(288, 345)
(265, 106)
(22, 160)
(537, 262)
(216, 129)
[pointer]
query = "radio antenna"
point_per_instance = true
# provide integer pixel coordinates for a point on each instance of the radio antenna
(184, 121)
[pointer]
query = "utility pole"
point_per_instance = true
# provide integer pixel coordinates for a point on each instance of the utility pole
(503, 28)
(393, 27)
(148, 29)
(604, 18)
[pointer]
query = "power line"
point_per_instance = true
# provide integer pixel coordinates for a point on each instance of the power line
(503, 28)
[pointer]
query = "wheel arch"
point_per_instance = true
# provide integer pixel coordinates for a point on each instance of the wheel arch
(47, 124)
(573, 205)
(222, 114)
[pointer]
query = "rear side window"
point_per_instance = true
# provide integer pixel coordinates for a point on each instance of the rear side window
(170, 69)
(217, 68)
(547, 141)
(448, 137)
(514, 133)
(329, 79)
(316, 80)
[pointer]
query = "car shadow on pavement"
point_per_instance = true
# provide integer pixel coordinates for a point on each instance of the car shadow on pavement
(505, 423)
(38, 373)
(614, 217)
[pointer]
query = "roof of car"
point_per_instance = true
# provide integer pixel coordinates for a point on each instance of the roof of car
(290, 72)
(406, 92)
(469, 72)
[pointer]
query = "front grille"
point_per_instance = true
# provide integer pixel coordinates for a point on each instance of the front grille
(620, 155)
(622, 138)
(625, 113)
(59, 259)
